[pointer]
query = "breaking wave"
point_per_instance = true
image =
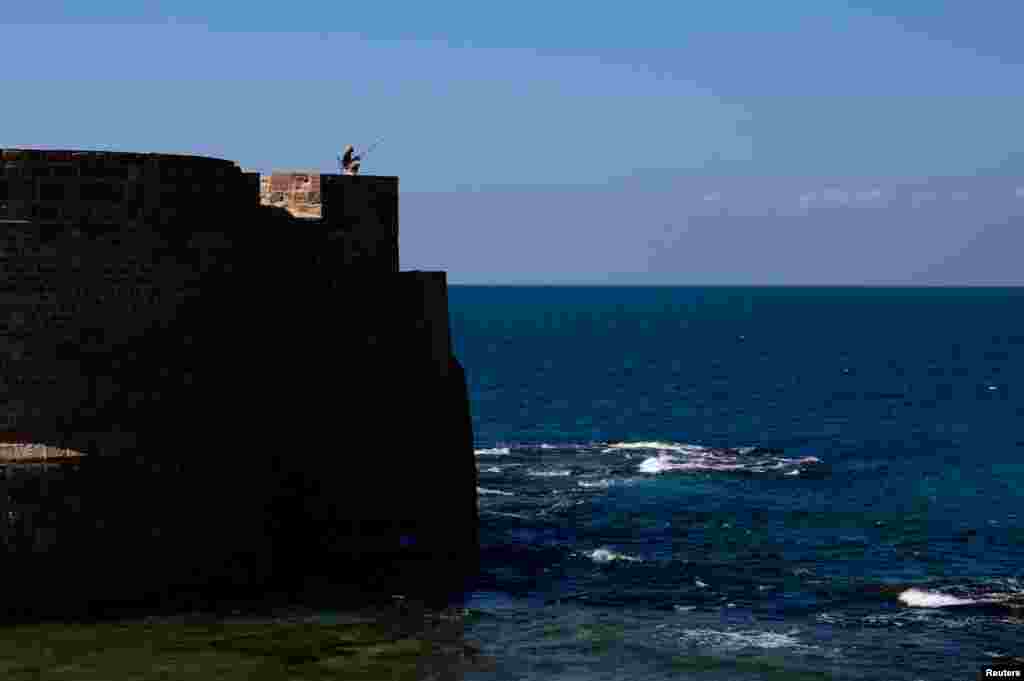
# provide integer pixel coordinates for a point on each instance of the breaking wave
(648, 445)
(548, 474)
(492, 451)
(484, 490)
(685, 457)
(991, 594)
(604, 555)
(597, 484)
(657, 456)
(587, 468)
(918, 598)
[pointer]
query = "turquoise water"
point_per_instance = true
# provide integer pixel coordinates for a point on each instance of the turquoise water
(746, 482)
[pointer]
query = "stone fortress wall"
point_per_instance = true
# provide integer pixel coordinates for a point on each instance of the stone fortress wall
(236, 379)
(297, 189)
(111, 188)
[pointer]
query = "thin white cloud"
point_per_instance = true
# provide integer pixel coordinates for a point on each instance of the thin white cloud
(870, 195)
(714, 196)
(1019, 193)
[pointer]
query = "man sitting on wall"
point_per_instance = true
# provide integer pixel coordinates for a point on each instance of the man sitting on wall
(349, 162)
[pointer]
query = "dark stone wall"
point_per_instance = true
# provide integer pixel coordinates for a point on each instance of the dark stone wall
(82, 538)
(102, 190)
(256, 405)
(360, 213)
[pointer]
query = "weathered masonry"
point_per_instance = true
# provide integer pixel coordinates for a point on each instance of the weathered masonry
(119, 189)
(238, 380)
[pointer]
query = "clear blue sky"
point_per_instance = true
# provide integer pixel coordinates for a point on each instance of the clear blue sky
(695, 143)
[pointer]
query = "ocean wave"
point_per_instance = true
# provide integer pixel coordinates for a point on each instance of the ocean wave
(654, 444)
(738, 640)
(548, 474)
(548, 446)
(976, 603)
(652, 457)
(599, 484)
(908, 618)
(491, 469)
(492, 451)
(518, 516)
(918, 598)
(904, 618)
(747, 459)
(990, 594)
(604, 555)
(530, 447)
(484, 490)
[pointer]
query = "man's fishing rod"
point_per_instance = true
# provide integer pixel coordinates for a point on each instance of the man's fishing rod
(372, 147)
(350, 153)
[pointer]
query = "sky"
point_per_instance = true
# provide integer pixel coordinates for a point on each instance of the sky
(807, 142)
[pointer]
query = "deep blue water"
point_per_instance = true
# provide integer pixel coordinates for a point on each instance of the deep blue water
(747, 482)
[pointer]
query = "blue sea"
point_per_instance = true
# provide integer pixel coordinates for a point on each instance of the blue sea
(746, 483)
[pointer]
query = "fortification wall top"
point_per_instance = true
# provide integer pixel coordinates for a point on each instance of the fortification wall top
(71, 155)
(118, 188)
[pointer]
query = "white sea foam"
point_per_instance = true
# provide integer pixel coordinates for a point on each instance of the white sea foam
(737, 640)
(602, 484)
(656, 464)
(693, 458)
(999, 591)
(638, 445)
(913, 617)
(484, 490)
(656, 445)
(493, 451)
(604, 555)
(548, 474)
(508, 515)
(918, 598)
(490, 469)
